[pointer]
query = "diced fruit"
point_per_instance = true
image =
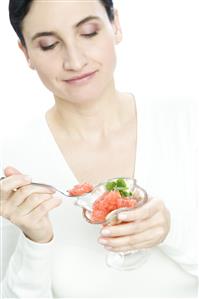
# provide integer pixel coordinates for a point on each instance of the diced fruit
(109, 202)
(80, 189)
(117, 195)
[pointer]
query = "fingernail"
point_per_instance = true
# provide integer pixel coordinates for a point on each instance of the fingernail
(27, 178)
(122, 216)
(105, 232)
(102, 241)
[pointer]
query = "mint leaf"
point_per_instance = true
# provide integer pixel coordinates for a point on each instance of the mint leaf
(125, 193)
(121, 183)
(122, 188)
(110, 186)
(118, 185)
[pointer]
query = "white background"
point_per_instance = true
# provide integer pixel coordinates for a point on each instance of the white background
(159, 57)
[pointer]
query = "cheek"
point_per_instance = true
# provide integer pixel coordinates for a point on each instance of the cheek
(109, 55)
(109, 62)
(105, 55)
(46, 70)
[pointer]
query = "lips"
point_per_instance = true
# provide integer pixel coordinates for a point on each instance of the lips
(80, 78)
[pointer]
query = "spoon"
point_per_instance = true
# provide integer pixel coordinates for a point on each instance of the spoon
(99, 188)
(86, 200)
(44, 185)
(57, 190)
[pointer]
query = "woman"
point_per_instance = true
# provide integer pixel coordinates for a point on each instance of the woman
(92, 133)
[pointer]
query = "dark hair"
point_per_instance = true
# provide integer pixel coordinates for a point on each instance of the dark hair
(18, 9)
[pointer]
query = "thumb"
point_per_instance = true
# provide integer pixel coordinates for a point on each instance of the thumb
(10, 171)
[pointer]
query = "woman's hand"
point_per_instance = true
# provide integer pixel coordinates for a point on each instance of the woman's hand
(27, 206)
(143, 227)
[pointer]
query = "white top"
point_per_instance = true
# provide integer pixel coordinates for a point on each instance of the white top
(73, 264)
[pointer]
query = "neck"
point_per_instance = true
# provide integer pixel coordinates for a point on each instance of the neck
(91, 120)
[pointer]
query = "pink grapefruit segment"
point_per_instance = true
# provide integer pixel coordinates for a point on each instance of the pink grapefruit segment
(80, 189)
(108, 202)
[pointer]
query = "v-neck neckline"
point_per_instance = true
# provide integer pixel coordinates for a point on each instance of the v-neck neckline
(61, 163)
(64, 165)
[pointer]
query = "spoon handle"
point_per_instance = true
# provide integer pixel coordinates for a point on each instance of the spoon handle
(49, 186)
(43, 185)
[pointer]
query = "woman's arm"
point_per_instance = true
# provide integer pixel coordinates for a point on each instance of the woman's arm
(25, 265)
(28, 273)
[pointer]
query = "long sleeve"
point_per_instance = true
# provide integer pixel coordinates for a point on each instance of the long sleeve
(28, 270)
(185, 255)
(168, 154)
(183, 248)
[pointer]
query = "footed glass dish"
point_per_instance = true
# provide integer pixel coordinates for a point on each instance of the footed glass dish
(102, 205)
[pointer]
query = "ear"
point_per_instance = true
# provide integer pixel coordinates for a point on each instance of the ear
(117, 28)
(25, 52)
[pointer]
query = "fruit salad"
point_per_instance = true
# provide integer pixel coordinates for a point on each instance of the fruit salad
(115, 195)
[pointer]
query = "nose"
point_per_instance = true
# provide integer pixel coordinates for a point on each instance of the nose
(74, 59)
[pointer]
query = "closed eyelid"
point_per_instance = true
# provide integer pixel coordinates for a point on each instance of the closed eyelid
(47, 41)
(86, 20)
(53, 33)
(89, 26)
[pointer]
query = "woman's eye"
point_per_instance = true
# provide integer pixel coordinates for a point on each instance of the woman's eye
(50, 47)
(88, 35)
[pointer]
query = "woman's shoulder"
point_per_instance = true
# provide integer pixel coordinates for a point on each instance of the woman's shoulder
(26, 131)
(168, 122)
(168, 108)
(22, 143)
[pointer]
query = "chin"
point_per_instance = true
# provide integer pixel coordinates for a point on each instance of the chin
(82, 96)
(82, 99)
(88, 93)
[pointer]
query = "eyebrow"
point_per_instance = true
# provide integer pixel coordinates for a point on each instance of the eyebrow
(52, 33)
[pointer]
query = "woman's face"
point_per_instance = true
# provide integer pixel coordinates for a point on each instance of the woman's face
(71, 44)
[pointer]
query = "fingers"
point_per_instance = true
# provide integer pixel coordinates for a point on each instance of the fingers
(27, 205)
(24, 199)
(30, 203)
(12, 183)
(129, 228)
(149, 229)
(10, 209)
(146, 239)
(33, 214)
(43, 209)
(141, 213)
(23, 193)
(11, 170)
(139, 246)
